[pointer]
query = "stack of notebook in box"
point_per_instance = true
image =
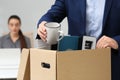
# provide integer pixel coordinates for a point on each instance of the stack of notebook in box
(76, 43)
(70, 43)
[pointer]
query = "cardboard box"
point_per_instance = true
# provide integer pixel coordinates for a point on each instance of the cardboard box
(37, 64)
(24, 67)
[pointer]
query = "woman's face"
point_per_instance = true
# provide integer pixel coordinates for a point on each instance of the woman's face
(14, 26)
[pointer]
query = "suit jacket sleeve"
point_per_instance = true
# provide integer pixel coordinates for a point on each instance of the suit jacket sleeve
(117, 38)
(56, 14)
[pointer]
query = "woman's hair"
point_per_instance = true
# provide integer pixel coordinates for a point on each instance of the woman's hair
(21, 36)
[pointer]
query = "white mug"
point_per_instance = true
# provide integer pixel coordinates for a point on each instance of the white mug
(54, 34)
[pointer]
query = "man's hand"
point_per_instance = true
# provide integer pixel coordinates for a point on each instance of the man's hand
(42, 31)
(106, 42)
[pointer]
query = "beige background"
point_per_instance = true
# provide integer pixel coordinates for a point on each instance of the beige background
(29, 10)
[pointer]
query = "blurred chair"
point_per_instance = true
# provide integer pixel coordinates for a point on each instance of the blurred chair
(30, 35)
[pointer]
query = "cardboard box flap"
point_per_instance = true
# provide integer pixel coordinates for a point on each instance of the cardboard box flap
(43, 64)
(84, 65)
(24, 68)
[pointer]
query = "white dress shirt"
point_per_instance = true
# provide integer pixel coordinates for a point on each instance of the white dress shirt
(94, 17)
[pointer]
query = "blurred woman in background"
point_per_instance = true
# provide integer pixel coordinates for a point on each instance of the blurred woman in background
(15, 38)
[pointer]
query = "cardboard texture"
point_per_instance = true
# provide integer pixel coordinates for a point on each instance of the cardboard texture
(66, 65)
(84, 65)
(38, 58)
(24, 68)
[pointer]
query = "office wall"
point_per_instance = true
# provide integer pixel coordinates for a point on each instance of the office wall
(29, 10)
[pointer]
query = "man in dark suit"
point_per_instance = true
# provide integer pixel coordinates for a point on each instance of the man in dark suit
(98, 18)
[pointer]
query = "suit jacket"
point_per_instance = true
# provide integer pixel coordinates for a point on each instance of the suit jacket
(75, 11)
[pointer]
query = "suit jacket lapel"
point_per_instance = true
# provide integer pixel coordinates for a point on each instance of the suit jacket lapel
(83, 12)
(83, 7)
(106, 11)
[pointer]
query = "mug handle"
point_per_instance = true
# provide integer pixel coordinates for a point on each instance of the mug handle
(61, 34)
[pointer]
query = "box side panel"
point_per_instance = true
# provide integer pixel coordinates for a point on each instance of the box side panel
(84, 65)
(43, 64)
(24, 69)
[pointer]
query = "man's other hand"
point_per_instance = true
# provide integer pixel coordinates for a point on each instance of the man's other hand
(105, 42)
